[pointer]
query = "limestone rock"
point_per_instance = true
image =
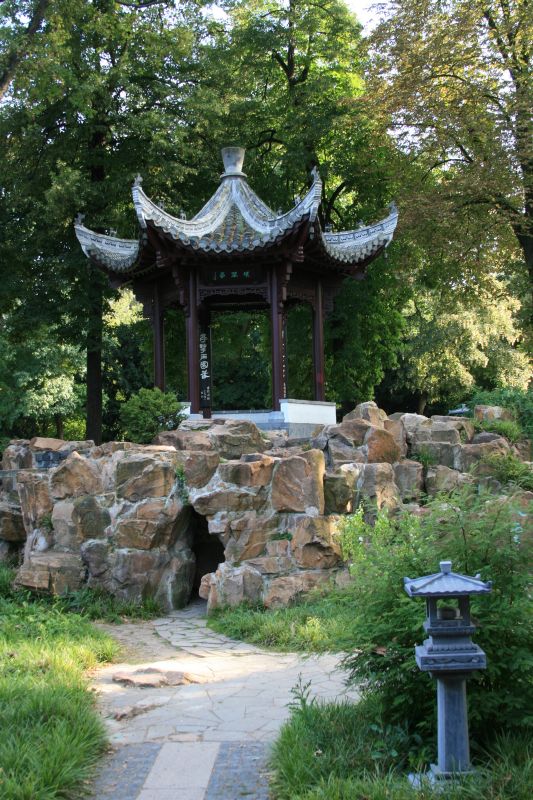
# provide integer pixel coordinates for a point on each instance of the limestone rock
(409, 478)
(219, 496)
(256, 471)
(53, 571)
(232, 585)
(90, 517)
(411, 422)
(431, 431)
(94, 555)
(469, 455)
(205, 585)
(464, 425)
(441, 479)
(154, 678)
(439, 452)
(198, 466)
(11, 523)
(369, 411)
(285, 590)
(134, 574)
(249, 534)
(381, 447)
(75, 476)
(298, 483)
(397, 430)
(185, 439)
(339, 489)
(35, 501)
(342, 451)
(314, 543)
(353, 430)
(376, 483)
(484, 437)
(175, 582)
(236, 437)
(152, 523)
(140, 476)
(489, 413)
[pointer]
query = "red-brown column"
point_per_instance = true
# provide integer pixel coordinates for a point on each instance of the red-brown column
(318, 343)
(276, 317)
(193, 353)
(158, 327)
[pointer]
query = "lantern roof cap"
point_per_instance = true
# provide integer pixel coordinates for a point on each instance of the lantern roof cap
(446, 584)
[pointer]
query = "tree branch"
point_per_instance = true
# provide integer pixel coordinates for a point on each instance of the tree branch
(17, 53)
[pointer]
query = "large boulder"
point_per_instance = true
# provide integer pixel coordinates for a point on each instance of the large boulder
(232, 585)
(431, 431)
(142, 475)
(251, 470)
(339, 489)
(35, 500)
(409, 478)
(341, 450)
(185, 439)
(237, 437)
(75, 476)
(11, 523)
(462, 424)
(411, 422)
(376, 483)
(314, 541)
(490, 413)
(443, 479)
(198, 466)
(381, 447)
(152, 523)
(285, 590)
(52, 571)
(369, 411)
(470, 455)
(298, 483)
(397, 430)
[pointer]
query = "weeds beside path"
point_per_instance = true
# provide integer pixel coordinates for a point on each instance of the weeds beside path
(52, 735)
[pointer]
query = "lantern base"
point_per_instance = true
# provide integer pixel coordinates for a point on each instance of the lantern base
(435, 777)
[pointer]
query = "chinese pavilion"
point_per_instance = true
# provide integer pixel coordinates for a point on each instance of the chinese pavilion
(236, 253)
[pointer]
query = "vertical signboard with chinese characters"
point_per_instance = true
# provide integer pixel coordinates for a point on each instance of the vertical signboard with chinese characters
(205, 365)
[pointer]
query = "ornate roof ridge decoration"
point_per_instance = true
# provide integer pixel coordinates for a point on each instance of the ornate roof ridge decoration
(445, 583)
(236, 221)
(119, 255)
(363, 242)
(235, 204)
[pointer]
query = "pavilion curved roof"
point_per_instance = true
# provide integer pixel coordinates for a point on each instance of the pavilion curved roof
(235, 221)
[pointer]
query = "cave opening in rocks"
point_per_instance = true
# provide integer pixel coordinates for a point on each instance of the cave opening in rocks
(208, 551)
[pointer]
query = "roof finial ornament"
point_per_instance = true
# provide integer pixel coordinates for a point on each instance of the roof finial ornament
(315, 173)
(233, 158)
(79, 218)
(138, 179)
(297, 199)
(182, 214)
(112, 232)
(393, 208)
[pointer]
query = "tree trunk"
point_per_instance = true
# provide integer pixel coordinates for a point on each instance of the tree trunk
(94, 357)
(58, 419)
(421, 406)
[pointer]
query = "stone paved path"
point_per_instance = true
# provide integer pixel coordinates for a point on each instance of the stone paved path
(201, 741)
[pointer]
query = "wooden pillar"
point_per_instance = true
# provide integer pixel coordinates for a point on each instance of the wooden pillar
(318, 343)
(276, 318)
(158, 327)
(193, 353)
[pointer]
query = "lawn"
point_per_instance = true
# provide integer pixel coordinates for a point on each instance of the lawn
(52, 735)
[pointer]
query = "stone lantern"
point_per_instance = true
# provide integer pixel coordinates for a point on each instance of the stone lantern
(449, 655)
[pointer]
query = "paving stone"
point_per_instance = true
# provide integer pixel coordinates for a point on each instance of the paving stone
(124, 772)
(240, 771)
(182, 765)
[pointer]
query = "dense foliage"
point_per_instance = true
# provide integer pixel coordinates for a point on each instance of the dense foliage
(480, 533)
(94, 92)
(148, 412)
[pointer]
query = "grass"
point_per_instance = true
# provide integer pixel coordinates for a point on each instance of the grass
(341, 751)
(323, 622)
(503, 427)
(508, 469)
(51, 734)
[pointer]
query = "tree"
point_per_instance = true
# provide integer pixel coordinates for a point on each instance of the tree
(22, 20)
(99, 100)
(456, 79)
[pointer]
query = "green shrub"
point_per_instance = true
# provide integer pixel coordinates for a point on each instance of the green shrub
(479, 533)
(147, 413)
(424, 456)
(504, 427)
(516, 400)
(507, 468)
